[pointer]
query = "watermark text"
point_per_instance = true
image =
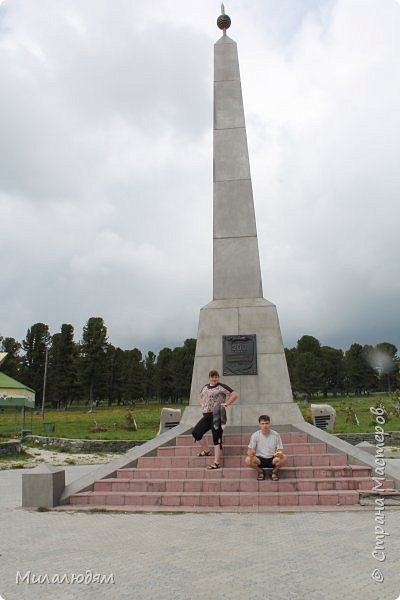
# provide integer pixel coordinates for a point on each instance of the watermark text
(378, 478)
(86, 578)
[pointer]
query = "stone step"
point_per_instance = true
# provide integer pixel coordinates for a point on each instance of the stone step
(240, 450)
(182, 473)
(178, 479)
(304, 460)
(390, 497)
(210, 499)
(235, 485)
(288, 437)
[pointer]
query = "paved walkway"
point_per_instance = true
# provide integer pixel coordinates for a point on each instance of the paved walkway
(278, 556)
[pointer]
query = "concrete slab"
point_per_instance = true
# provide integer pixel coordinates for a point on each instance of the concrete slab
(322, 555)
(233, 197)
(236, 268)
(229, 101)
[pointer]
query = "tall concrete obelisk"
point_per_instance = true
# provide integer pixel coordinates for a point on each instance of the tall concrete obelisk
(239, 333)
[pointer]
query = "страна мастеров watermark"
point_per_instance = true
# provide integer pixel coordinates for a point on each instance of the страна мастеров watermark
(378, 477)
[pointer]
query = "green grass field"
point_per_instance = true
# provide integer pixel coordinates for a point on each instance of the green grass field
(78, 423)
(359, 406)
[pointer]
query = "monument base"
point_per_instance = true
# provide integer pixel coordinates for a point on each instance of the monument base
(267, 392)
(247, 415)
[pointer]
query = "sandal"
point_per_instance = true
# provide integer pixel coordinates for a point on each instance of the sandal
(204, 453)
(274, 476)
(213, 466)
(261, 476)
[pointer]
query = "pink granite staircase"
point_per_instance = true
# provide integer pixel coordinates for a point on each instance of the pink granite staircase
(177, 479)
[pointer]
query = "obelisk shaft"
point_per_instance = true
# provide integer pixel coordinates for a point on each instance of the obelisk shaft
(236, 270)
(238, 310)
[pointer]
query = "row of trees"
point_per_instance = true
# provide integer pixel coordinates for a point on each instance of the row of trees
(94, 370)
(315, 369)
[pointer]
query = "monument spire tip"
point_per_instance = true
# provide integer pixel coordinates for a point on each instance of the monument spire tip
(223, 21)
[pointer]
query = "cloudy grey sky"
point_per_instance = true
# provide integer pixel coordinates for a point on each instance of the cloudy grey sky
(106, 164)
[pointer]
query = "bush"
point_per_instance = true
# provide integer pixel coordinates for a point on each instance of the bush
(130, 423)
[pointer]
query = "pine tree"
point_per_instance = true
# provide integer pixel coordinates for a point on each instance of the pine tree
(93, 352)
(63, 367)
(36, 346)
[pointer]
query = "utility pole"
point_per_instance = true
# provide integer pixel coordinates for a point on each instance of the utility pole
(44, 381)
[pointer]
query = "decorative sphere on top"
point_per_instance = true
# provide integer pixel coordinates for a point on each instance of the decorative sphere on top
(223, 21)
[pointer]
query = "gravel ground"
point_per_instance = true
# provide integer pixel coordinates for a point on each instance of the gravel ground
(50, 457)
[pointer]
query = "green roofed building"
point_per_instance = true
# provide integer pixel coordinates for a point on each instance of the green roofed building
(17, 395)
(14, 393)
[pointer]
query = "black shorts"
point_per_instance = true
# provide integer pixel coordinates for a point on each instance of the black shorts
(266, 463)
(204, 425)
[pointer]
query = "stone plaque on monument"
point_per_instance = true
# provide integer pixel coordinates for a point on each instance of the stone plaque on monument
(239, 354)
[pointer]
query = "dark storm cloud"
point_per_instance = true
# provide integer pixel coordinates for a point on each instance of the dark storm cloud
(106, 164)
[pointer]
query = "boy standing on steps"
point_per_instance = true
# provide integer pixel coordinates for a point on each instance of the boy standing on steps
(265, 450)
